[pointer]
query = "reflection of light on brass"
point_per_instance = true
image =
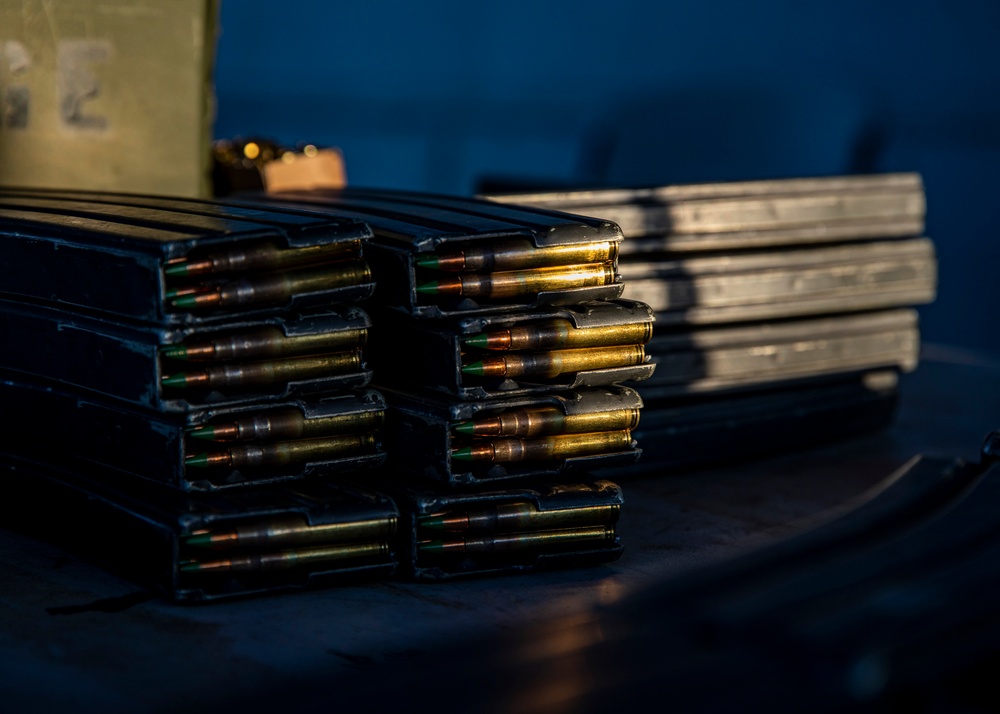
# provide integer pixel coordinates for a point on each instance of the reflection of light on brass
(251, 150)
(310, 150)
(288, 157)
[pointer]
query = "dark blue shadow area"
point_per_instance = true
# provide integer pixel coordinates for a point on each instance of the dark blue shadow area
(442, 94)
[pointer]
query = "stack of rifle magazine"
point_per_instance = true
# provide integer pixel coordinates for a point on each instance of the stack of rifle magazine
(194, 372)
(783, 307)
(501, 343)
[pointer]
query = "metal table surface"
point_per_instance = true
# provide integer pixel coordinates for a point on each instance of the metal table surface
(74, 635)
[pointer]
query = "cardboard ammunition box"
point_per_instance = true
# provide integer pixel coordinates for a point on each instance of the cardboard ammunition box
(109, 254)
(416, 504)
(407, 354)
(741, 357)
(697, 431)
(420, 435)
(125, 361)
(411, 226)
(82, 431)
(146, 534)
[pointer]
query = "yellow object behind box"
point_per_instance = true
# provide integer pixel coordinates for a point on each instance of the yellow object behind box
(107, 94)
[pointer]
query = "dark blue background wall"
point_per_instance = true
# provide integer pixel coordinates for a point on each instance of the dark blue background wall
(438, 95)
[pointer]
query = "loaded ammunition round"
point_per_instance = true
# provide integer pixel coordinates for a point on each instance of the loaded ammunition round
(263, 256)
(275, 288)
(519, 255)
(556, 362)
(286, 560)
(538, 421)
(550, 448)
(520, 283)
(291, 531)
(265, 342)
(287, 424)
(283, 453)
(521, 516)
(560, 333)
(256, 374)
(503, 543)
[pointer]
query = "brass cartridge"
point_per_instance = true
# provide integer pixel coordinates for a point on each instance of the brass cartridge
(287, 560)
(521, 516)
(261, 257)
(556, 362)
(283, 453)
(291, 531)
(271, 288)
(265, 342)
(549, 448)
(287, 424)
(256, 374)
(539, 421)
(558, 334)
(503, 543)
(519, 283)
(519, 255)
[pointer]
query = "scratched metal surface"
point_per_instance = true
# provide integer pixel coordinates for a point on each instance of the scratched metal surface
(72, 634)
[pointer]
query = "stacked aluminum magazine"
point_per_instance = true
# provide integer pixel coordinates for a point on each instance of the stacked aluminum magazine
(784, 308)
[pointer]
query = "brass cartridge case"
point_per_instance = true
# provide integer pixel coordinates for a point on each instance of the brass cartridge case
(256, 374)
(519, 283)
(519, 255)
(539, 421)
(503, 543)
(521, 516)
(287, 424)
(549, 448)
(265, 342)
(283, 453)
(272, 288)
(261, 257)
(556, 362)
(286, 560)
(290, 531)
(558, 334)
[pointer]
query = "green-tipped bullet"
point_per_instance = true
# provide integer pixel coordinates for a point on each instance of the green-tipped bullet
(464, 454)
(202, 432)
(180, 269)
(197, 460)
(176, 352)
(185, 301)
(467, 428)
(430, 288)
(475, 368)
(176, 380)
(433, 522)
(431, 546)
(201, 540)
(431, 262)
(480, 341)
